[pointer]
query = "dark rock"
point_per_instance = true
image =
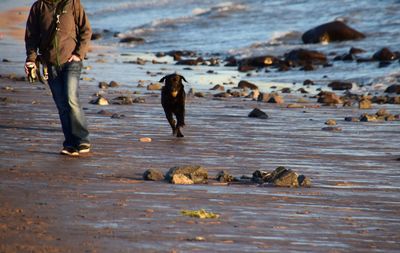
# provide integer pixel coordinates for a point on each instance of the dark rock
(224, 177)
(302, 90)
(304, 57)
(308, 82)
(352, 119)
(336, 85)
(259, 61)
(6, 60)
(132, 40)
(368, 118)
(247, 85)
(117, 116)
(197, 174)
(113, 84)
(286, 90)
(257, 113)
(395, 88)
(384, 55)
(231, 62)
(332, 31)
(96, 36)
(380, 99)
(153, 175)
(261, 176)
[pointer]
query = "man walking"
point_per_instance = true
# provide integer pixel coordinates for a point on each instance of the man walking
(58, 32)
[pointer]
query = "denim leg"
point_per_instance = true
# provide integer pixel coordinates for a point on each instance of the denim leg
(64, 84)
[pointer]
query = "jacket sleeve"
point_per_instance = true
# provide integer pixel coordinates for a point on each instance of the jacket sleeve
(32, 33)
(84, 32)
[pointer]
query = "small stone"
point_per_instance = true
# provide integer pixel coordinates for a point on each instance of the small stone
(247, 85)
(352, 119)
(100, 101)
(368, 118)
(365, 104)
(330, 122)
(276, 99)
(218, 87)
(145, 139)
(225, 177)
(154, 86)
(153, 175)
(382, 112)
(257, 113)
(113, 84)
(103, 85)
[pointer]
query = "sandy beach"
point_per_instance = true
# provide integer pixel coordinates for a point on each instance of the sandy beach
(99, 202)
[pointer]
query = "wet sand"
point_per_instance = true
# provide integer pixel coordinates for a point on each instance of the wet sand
(99, 202)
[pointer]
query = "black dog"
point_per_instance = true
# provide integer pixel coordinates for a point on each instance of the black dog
(173, 101)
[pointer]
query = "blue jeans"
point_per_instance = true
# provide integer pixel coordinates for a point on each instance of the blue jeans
(64, 85)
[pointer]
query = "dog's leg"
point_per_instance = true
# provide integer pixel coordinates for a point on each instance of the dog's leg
(171, 121)
(180, 116)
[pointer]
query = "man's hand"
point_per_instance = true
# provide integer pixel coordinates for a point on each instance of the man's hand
(28, 66)
(74, 58)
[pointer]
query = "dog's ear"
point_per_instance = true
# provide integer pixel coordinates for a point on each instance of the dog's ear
(182, 78)
(162, 79)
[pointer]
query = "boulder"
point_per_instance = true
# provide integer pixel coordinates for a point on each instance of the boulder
(382, 112)
(337, 85)
(153, 175)
(196, 173)
(247, 85)
(257, 113)
(260, 176)
(352, 119)
(329, 32)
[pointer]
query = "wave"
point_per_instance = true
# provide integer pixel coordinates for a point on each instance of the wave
(198, 15)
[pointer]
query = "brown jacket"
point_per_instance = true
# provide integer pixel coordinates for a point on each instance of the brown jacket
(72, 36)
